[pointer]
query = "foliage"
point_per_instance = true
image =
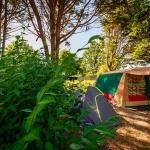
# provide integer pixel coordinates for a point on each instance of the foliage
(80, 85)
(35, 104)
(139, 26)
(93, 57)
(142, 51)
(116, 40)
(20, 44)
(126, 27)
(65, 54)
(102, 69)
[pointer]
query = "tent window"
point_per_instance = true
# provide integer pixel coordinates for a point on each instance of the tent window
(136, 85)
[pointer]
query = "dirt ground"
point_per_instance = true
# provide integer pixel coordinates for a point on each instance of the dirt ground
(134, 133)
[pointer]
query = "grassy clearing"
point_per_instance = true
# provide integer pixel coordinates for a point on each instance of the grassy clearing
(134, 134)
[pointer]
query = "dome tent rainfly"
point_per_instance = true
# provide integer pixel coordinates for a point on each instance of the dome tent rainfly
(129, 87)
(98, 107)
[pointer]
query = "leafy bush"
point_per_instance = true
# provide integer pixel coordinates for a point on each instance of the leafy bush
(81, 85)
(34, 106)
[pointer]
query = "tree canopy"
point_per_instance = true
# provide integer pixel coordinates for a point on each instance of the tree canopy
(93, 57)
(126, 28)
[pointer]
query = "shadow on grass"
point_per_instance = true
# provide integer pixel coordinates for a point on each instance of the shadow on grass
(136, 124)
(140, 108)
(139, 118)
(127, 142)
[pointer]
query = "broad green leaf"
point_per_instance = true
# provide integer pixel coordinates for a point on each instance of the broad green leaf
(74, 146)
(30, 120)
(95, 138)
(80, 49)
(47, 99)
(53, 82)
(33, 135)
(38, 108)
(63, 114)
(51, 93)
(90, 145)
(30, 137)
(48, 146)
(93, 38)
(26, 110)
(106, 132)
(59, 69)
(49, 84)
(89, 129)
(41, 93)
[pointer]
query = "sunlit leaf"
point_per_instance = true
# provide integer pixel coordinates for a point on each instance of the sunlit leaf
(74, 146)
(80, 49)
(95, 37)
(47, 99)
(26, 110)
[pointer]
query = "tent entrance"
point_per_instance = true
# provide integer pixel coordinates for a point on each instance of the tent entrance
(147, 79)
(136, 85)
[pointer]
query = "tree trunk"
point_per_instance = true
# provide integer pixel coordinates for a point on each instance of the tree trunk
(52, 7)
(41, 34)
(4, 29)
(0, 25)
(55, 26)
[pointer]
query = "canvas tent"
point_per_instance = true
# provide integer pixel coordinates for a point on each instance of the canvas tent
(129, 87)
(100, 110)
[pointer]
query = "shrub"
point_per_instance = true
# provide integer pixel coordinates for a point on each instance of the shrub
(34, 106)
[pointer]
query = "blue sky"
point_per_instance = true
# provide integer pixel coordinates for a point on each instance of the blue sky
(77, 40)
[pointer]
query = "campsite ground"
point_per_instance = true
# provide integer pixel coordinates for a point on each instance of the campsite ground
(134, 134)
